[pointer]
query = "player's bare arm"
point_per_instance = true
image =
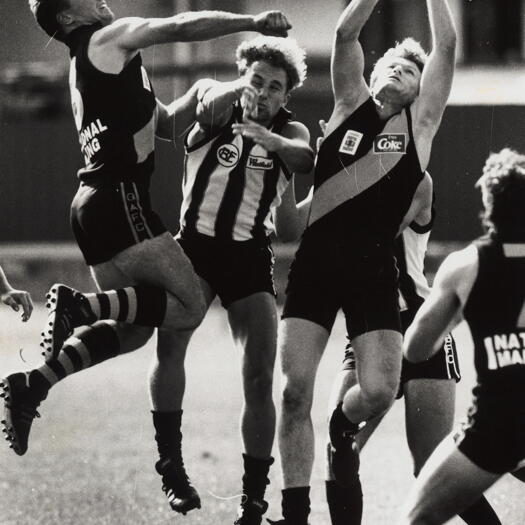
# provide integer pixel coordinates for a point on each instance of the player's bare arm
(114, 45)
(216, 103)
(174, 119)
(347, 61)
(293, 146)
(442, 310)
(436, 79)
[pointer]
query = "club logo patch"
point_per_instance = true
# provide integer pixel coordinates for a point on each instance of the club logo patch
(350, 142)
(228, 155)
(259, 163)
(391, 143)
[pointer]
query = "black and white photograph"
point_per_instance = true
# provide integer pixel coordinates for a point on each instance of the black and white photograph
(262, 262)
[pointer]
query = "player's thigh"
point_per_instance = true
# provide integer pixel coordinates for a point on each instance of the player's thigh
(253, 322)
(301, 345)
(448, 483)
(429, 415)
(108, 276)
(378, 359)
(161, 262)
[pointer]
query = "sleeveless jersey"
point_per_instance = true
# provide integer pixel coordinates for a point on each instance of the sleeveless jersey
(410, 250)
(114, 115)
(495, 313)
(367, 171)
(231, 184)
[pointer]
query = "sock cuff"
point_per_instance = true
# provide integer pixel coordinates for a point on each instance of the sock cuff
(152, 303)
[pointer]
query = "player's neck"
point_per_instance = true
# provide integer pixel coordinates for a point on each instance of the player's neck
(387, 109)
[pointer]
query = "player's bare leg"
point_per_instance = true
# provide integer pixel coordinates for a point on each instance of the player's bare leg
(448, 483)
(167, 382)
(378, 361)
(253, 322)
(301, 346)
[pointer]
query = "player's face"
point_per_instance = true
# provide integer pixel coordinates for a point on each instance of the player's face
(91, 11)
(271, 84)
(396, 78)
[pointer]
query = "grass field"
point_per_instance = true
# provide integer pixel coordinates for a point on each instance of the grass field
(91, 454)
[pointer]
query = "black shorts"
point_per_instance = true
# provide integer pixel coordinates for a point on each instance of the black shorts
(233, 269)
(107, 220)
(444, 364)
(325, 277)
(493, 437)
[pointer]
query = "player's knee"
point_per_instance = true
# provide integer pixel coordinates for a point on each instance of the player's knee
(133, 337)
(379, 397)
(195, 312)
(258, 385)
(295, 399)
(419, 516)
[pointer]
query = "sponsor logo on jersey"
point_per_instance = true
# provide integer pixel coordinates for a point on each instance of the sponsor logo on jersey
(259, 163)
(89, 143)
(228, 155)
(350, 142)
(505, 350)
(391, 143)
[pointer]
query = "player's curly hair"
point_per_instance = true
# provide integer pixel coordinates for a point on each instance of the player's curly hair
(277, 51)
(45, 13)
(503, 190)
(409, 49)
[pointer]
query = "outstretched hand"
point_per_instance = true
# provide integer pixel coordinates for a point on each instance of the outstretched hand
(16, 299)
(272, 23)
(259, 134)
(249, 98)
(319, 141)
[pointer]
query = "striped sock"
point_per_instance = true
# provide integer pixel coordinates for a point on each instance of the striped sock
(142, 305)
(91, 346)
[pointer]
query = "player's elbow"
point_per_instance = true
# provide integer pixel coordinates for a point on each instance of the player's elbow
(344, 33)
(303, 161)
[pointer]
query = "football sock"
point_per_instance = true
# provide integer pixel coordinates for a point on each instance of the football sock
(168, 433)
(142, 305)
(345, 503)
(92, 345)
(480, 513)
(255, 476)
(342, 423)
(296, 505)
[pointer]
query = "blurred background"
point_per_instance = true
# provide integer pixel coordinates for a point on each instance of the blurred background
(39, 153)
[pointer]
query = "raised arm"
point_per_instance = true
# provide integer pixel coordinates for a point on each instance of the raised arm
(133, 34)
(436, 80)
(175, 118)
(216, 104)
(347, 63)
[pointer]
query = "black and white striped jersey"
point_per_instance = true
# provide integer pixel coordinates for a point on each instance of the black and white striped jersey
(231, 185)
(114, 115)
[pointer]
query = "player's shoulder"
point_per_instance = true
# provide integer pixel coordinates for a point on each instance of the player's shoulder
(459, 271)
(113, 33)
